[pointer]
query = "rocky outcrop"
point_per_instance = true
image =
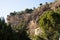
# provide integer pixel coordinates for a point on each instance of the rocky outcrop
(32, 26)
(32, 18)
(16, 19)
(55, 5)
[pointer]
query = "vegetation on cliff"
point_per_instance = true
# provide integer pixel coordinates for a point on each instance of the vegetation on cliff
(50, 22)
(22, 25)
(7, 33)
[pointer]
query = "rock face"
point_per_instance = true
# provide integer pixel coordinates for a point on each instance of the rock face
(32, 18)
(55, 5)
(16, 19)
(39, 31)
(32, 26)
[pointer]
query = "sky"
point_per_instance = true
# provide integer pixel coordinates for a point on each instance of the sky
(7, 6)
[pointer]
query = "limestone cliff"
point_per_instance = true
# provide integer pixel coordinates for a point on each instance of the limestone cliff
(32, 18)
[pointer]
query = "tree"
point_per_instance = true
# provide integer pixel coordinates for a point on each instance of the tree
(28, 10)
(12, 14)
(6, 32)
(34, 8)
(36, 37)
(46, 3)
(40, 4)
(22, 31)
(50, 22)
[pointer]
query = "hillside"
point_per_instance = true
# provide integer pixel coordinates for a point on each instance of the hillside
(30, 17)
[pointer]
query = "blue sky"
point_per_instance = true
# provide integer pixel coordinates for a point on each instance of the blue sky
(7, 6)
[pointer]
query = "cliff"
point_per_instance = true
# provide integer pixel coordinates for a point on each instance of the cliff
(31, 18)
